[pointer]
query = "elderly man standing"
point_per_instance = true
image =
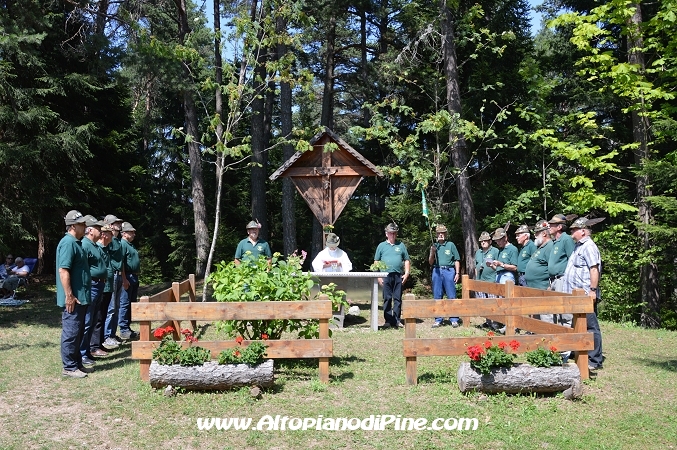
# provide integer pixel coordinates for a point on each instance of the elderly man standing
(72, 293)
(446, 263)
(506, 263)
(536, 274)
(252, 246)
(523, 236)
(97, 339)
(98, 273)
(332, 258)
(484, 258)
(117, 258)
(562, 246)
(132, 265)
(394, 254)
(584, 271)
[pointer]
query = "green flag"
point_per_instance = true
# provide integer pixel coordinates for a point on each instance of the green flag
(424, 205)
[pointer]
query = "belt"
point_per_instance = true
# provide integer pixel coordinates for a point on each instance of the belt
(98, 280)
(117, 272)
(521, 273)
(556, 277)
(443, 267)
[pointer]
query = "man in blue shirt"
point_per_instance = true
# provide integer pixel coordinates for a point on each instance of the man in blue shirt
(394, 254)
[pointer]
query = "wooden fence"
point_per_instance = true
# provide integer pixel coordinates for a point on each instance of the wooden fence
(514, 303)
(167, 306)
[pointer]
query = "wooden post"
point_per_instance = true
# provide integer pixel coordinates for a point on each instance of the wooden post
(580, 325)
(176, 290)
(192, 295)
(509, 320)
(410, 333)
(144, 335)
(324, 334)
(465, 294)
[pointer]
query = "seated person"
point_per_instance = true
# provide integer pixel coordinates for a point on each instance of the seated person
(9, 262)
(332, 258)
(20, 269)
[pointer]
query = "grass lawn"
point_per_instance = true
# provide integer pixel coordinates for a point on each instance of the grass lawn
(629, 404)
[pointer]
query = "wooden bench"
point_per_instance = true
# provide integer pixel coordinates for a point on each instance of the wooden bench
(511, 308)
(166, 306)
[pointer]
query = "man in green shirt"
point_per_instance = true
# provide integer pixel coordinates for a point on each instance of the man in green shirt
(72, 293)
(446, 263)
(252, 246)
(128, 295)
(536, 274)
(523, 236)
(396, 258)
(562, 247)
(117, 258)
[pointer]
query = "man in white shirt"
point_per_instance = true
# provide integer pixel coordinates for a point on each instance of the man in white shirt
(332, 258)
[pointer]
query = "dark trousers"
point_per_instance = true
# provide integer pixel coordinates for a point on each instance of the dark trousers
(72, 330)
(392, 298)
(595, 357)
(99, 321)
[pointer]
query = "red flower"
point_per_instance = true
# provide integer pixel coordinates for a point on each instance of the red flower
(553, 348)
(475, 352)
(487, 344)
(491, 333)
(159, 333)
(169, 329)
(186, 332)
(239, 339)
(502, 345)
(514, 345)
(264, 336)
(236, 353)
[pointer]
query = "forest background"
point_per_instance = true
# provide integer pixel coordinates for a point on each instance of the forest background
(173, 114)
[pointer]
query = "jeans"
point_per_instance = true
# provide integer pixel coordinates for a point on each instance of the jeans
(392, 298)
(90, 316)
(443, 283)
(72, 329)
(503, 276)
(111, 325)
(595, 357)
(100, 322)
(127, 296)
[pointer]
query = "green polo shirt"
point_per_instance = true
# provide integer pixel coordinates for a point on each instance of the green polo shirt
(260, 248)
(95, 259)
(117, 254)
(132, 261)
(70, 255)
(393, 255)
(536, 274)
(508, 255)
(447, 254)
(110, 273)
(486, 273)
(562, 248)
(525, 255)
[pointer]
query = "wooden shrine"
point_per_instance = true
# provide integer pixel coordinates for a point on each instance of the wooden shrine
(327, 175)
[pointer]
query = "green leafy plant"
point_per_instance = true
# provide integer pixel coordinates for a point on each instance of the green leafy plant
(171, 352)
(337, 296)
(256, 280)
(542, 357)
(252, 354)
(378, 266)
(489, 356)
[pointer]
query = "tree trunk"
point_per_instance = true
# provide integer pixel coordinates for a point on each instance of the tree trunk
(259, 139)
(194, 155)
(640, 132)
(288, 189)
(522, 378)
(211, 375)
(459, 149)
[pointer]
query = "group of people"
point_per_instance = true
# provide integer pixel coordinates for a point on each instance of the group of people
(13, 273)
(97, 269)
(554, 260)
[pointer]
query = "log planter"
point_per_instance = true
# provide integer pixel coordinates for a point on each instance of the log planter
(211, 375)
(522, 378)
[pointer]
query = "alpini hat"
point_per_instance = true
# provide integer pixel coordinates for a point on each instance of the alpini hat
(440, 229)
(541, 225)
(522, 229)
(111, 218)
(558, 218)
(253, 224)
(484, 236)
(392, 228)
(74, 217)
(498, 234)
(126, 226)
(333, 240)
(584, 222)
(107, 227)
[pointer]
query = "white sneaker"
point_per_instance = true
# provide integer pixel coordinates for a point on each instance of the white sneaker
(110, 343)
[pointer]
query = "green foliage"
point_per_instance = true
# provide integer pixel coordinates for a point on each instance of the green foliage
(488, 357)
(542, 357)
(337, 296)
(256, 280)
(252, 354)
(170, 352)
